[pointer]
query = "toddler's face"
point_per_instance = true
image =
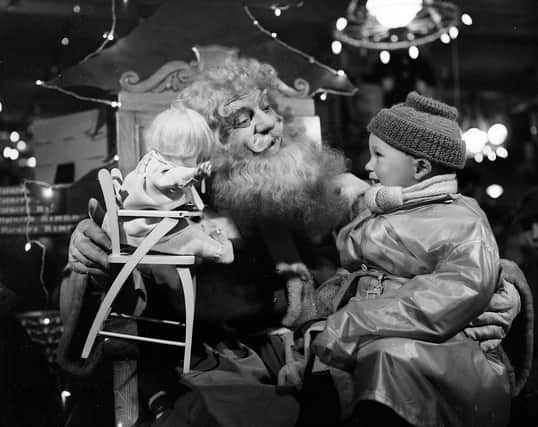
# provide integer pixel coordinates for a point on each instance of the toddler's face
(389, 166)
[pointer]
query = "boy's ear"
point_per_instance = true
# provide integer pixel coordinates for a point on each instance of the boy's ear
(423, 168)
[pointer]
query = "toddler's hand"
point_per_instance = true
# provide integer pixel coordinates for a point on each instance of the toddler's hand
(218, 234)
(203, 170)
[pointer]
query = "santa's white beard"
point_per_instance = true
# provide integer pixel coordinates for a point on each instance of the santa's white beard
(290, 187)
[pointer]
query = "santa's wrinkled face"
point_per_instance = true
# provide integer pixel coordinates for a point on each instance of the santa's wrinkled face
(254, 127)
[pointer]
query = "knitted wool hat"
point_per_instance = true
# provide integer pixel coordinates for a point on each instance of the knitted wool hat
(422, 127)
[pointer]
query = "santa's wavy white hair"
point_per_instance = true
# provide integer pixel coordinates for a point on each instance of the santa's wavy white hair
(216, 87)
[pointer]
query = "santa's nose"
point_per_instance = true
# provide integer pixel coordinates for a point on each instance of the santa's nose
(264, 121)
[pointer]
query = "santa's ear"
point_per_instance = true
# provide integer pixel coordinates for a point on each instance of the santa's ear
(423, 168)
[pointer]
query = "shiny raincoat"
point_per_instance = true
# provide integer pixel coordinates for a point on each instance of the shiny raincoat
(438, 263)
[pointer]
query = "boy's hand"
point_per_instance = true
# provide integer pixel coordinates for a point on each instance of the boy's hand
(349, 186)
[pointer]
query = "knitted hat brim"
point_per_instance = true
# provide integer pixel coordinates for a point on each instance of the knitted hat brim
(443, 149)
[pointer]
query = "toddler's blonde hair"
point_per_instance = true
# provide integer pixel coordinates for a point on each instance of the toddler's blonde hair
(180, 132)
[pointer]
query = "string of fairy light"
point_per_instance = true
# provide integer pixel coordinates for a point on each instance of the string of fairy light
(108, 36)
(311, 59)
(13, 153)
(47, 192)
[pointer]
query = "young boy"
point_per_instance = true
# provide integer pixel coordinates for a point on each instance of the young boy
(423, 263)
(179, 143)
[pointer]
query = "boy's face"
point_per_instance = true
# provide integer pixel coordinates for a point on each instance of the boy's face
(388, 165)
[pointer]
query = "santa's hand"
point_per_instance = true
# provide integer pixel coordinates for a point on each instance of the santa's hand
(291, 375)
(493, 325)
(89, 244)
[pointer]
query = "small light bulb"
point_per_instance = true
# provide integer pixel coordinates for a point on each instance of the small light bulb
(14, 136)
(31, 162)
(64, 395)
(384, 56)
(497, 133)
(341, 73)
(475, 140)
(341, 23)
(323, 96)
(47, 192)
(478, 157)
(410, 36)
(105, 35)
(65, 41)
(21, 145)
(255, 22)
(393, 38)
(278, 12)
(116, 158)
(466, 19)
(273, 35)
(110, 36)
(115, 104)
(502, 152)
(494, 191)
(76, 8)
(27, 246)
(14, 154)
(445, 38)
(336, 47)
(413, 52)
(1, 107)
(39, 82)
(6, 152)
(453, 32)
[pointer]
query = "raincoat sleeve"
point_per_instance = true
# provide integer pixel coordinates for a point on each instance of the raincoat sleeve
(430, 307)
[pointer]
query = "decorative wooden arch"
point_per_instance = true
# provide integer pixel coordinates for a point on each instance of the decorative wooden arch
(141, 100)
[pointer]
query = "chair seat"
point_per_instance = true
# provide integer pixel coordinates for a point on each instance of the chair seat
(158, 213)
(157, 258)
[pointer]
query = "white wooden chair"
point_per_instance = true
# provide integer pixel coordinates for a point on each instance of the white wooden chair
(115, 215)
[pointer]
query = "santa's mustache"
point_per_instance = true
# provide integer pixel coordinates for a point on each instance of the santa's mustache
(289, 186)
(264, 142)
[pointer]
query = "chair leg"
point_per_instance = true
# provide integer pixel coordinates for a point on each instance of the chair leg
(104, 309)
(189, 292)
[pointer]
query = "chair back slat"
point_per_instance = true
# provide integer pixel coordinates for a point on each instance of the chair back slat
(107, 187)
(117, 182)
